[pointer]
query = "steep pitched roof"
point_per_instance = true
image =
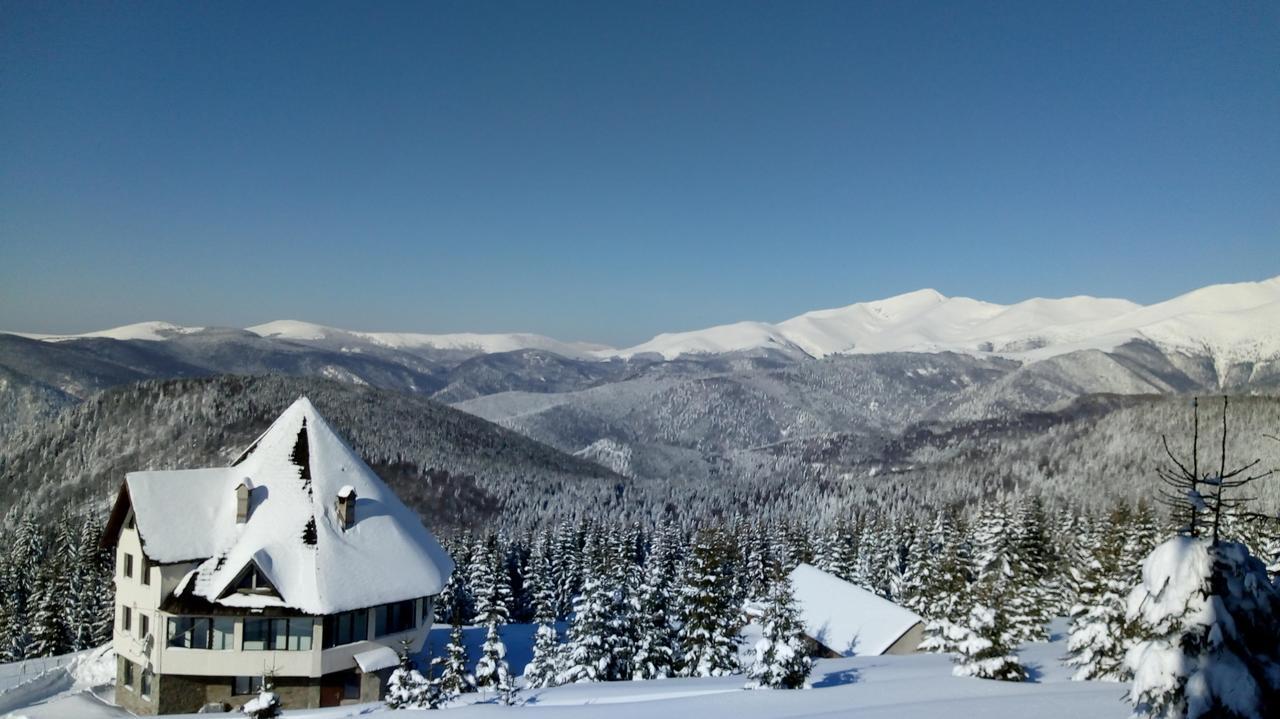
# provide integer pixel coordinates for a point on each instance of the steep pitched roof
(295, 472)
(846, 618)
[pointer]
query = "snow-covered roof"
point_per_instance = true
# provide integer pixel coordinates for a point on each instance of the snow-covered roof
(292, 535)
(380, 657)
(846, 618)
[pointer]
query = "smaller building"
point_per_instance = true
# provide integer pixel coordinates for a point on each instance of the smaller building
(845, 620)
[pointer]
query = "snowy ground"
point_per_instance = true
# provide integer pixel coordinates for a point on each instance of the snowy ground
(907, 687)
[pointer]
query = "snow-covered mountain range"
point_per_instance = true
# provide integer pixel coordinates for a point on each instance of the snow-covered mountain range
(1229, 322)
(830, 394)
(1235, 321)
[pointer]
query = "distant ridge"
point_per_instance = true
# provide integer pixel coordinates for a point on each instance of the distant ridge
(1230, 322)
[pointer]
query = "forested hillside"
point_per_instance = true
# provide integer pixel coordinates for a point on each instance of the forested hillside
(455, 468)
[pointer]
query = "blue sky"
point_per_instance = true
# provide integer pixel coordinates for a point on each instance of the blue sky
(605, 171)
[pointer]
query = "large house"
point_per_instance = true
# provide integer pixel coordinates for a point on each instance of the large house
(296, 564)
(843, 619)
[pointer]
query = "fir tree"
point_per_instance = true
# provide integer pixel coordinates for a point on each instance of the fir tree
(455, 680)
(984, 646)
(543, 669)
(492, 672)
(708, 635)
(1097, 643)
(586, 655)
(407, 688)
(490, 585)
(654, 656)
(1206, 615)
(781, 657)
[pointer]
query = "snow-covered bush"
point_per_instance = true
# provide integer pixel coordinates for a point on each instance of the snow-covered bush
(264, 706)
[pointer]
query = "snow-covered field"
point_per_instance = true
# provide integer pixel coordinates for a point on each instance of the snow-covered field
(904, 687)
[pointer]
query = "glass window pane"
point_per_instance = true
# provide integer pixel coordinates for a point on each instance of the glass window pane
(300, 634)
(279, 634)
(359, 625)
(175, 632)
(224, 629)
(255, 634)
(200, 633)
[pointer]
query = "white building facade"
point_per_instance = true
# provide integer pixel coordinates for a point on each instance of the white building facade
(296, 565)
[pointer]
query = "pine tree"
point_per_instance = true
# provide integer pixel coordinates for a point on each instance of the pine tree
(708, 635)
(407, 688)
(455, 680)
(586, 654)
(492, 672)
(654, 656)
(1097, 643)
(1032, 557)
(543, 669)
(489, 583)
(1206, 615)
(781, 657)
(984, 646)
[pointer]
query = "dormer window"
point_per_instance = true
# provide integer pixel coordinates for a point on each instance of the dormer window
(242, 500)
(346, 507)
(252, 581)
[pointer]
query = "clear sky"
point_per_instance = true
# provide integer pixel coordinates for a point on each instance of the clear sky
(605, 170)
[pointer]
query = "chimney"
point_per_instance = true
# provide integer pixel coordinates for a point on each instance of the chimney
(242, 500)
(346, 506)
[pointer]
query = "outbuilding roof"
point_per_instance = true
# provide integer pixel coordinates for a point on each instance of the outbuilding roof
(292, 536)
(846, 618)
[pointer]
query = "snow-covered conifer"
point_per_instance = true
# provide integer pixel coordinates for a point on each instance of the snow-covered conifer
(1097, 642)
(586, 656)
(781, 657)
(407, 688)
(454, 677)
(489, 582)
(708, 632)
(984, 646)
(492, 672)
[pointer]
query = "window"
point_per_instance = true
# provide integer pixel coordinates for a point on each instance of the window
(126, 619)
(425, 616)
(299, 634)
(350, 685)
(144, 625)
(251, 581)
(281, 634)
(346, 628)
(224, 633)
(255, 634)
(392, 618)
(145, 571)
(128, 565)
(146, 684)
(241, 686)
(202, 632)
(126, 673)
